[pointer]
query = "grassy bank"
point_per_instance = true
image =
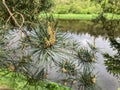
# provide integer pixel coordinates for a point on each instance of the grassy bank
(15, 81)
(83, 16)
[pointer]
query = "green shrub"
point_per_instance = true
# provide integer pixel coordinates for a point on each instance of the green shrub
(19, 83)
(78, 7)
(55, 86)
(62, 9)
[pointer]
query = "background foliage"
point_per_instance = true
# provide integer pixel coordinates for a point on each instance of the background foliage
(85, 6)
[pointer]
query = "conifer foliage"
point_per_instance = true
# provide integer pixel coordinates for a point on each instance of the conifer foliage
(30, 45)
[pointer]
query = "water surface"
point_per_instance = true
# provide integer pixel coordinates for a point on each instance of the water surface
(87, 31)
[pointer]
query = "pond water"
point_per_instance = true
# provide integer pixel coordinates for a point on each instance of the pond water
(84, 32)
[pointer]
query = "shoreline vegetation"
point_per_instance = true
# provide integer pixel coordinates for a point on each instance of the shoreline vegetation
(108, 16)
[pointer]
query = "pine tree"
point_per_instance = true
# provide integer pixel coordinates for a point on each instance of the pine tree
(39, 45)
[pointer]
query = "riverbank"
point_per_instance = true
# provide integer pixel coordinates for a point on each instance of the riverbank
(108, 16)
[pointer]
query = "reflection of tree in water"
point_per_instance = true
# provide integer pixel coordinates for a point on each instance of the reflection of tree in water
(94, 29)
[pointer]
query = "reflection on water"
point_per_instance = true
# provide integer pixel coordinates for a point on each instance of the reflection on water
(86, 27)
(105, 80)
(87, 31)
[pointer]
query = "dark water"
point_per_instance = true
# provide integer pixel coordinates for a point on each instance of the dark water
(86, 31)
(89, 27)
